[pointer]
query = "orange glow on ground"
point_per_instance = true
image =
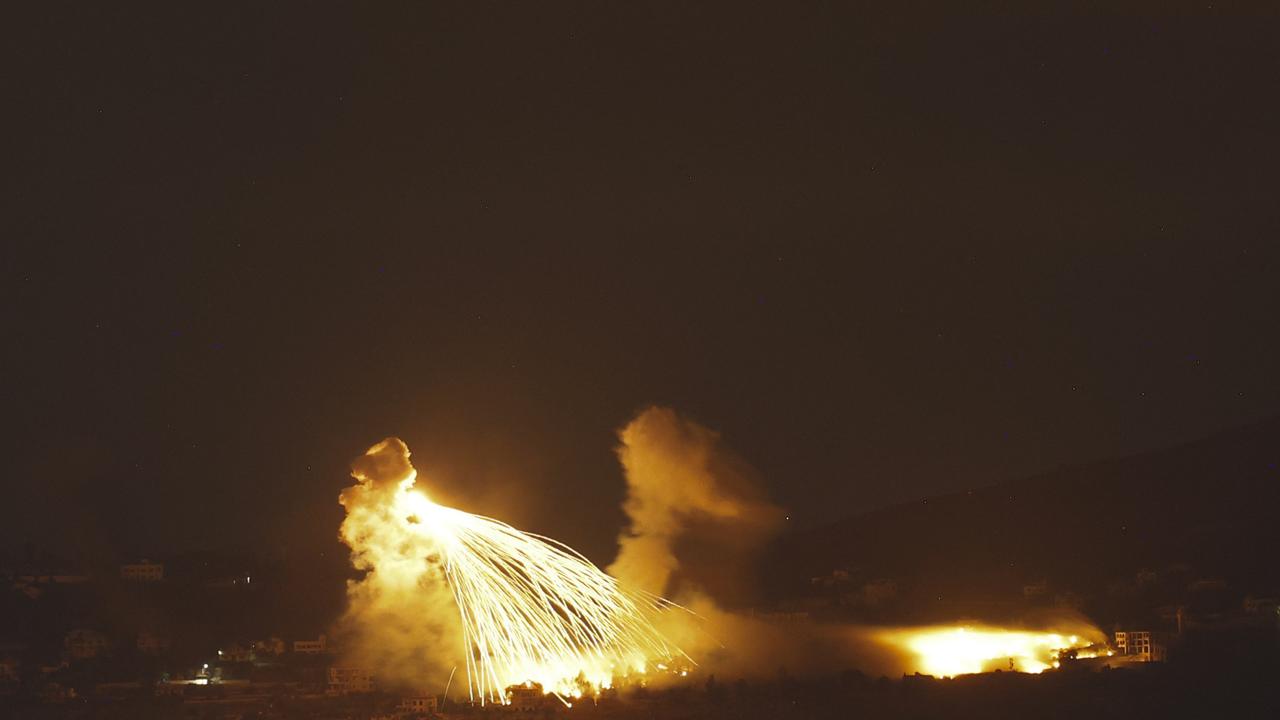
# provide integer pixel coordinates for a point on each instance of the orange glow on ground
(947, 651)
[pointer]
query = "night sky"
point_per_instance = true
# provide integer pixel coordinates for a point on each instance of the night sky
(887, 253)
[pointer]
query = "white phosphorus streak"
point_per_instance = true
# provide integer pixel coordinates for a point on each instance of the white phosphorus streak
(534, 610)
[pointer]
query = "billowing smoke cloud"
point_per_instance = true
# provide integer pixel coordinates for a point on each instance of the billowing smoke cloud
(693, 506)
(697, 515)
(401, 617)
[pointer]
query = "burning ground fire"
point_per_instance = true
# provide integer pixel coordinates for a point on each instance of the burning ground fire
(947, 651)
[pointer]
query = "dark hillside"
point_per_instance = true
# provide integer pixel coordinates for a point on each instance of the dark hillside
(1203, 511)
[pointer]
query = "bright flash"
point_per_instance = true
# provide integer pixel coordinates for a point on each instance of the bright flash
(948, 651)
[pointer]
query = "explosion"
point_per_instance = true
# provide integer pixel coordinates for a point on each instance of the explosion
(947, 651)
(530, 609)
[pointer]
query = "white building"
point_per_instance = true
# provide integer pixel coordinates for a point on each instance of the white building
(311, 647)
(142, 571)
(419, 704)
(526, 698)
(347, 680)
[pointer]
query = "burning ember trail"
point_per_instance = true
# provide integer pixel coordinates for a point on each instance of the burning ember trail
(531, 609)
(947, 651)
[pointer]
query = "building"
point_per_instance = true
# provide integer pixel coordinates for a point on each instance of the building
(1139, 646)
(419, 704)
(1264, 604)
(877, 592)
(271, 646)
(236, 652)
(1146, 577)
(53, 692)
(230, 581)
(52, 578)
(528, 697)
(10, 666)
(347, 680)
(311, 647)
(8, 670)
(142, 571)
(33, 584)
(836, 577)
(84, 644)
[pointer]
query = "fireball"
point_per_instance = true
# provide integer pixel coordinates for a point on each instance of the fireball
(947, 651)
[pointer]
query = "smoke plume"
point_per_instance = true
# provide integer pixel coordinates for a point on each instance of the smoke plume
(401, 617)
(697, 512)
(697, 515)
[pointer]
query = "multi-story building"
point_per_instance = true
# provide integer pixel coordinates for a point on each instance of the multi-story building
(349, 680)
(271, 646)
(8, 669)
(142, 571)
(236, 652)
(526, 698)
(419, 704)
(1139, 645)
(311, 647)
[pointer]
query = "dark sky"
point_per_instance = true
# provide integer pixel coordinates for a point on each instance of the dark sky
(887, 252)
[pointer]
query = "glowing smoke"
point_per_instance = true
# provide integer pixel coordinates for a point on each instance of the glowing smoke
(530, 609)
(401, 617)
(697, 515)
(686, 491)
